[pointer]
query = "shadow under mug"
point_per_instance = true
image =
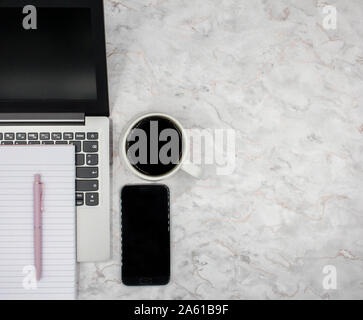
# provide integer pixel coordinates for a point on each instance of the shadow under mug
(183, 164)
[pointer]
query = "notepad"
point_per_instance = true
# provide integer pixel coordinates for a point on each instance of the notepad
(18, 165)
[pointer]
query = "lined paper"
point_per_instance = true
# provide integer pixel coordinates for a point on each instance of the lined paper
(18, 165)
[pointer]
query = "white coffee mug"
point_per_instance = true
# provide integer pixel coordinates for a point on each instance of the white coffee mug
(182, 164)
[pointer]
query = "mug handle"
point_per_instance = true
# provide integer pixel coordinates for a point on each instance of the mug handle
(192, 169)
(187, 165)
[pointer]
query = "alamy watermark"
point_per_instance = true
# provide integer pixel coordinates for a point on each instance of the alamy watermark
(30, 20)
(330, 17)
(29, 279)
(203, 147)
(330, 278)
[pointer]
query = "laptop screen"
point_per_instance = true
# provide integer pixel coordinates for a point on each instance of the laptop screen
(58, 61)
(55, 61)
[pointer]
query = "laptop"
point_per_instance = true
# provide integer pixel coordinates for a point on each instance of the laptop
(53, 90)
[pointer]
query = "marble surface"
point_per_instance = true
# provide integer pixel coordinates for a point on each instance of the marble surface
(293, 93)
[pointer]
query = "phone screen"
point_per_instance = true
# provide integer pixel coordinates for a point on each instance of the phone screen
(145, 235)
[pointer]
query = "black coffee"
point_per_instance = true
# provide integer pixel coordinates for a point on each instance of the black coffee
(154, 146)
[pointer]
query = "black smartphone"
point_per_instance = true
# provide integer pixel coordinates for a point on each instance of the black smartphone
(145, 235)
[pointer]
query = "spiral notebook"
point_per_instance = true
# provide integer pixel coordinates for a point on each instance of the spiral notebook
(18, 165)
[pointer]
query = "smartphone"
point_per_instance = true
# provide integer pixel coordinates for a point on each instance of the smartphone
(145, 217)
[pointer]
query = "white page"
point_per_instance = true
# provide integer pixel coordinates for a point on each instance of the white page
(18, 165)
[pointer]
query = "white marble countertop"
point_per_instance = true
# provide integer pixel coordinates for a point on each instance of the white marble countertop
(293, 92)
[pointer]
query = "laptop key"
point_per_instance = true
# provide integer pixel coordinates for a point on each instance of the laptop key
(56, 136)
(79, 196)
(79, 159)
(80, 136)
(1, 136)
(86, 185)
(20, 142)
(47, 142)
(90, 146)
(77, 144)
(61, 142)
(21, 136)
(44, 136)
(92, 199)
(92, 159)
(68, 136)
(7, 142)
(92, 135)
(34, 142)
(87, 172)
(9, 136)
(79, 199)
(32, 136)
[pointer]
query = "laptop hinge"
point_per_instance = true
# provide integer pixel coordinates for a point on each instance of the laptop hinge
(41, 118)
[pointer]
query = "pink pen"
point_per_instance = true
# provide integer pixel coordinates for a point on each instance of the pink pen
(38, 194)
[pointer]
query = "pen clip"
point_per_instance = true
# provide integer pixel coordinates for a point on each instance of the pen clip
(41, 196)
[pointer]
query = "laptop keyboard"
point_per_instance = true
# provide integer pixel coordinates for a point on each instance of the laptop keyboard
(86, 145)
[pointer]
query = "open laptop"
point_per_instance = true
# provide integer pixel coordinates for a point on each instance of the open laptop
(53, 90)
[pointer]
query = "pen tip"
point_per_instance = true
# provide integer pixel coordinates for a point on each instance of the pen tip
(37, 178)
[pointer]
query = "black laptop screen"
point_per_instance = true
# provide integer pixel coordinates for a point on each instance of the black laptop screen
(56, 61)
